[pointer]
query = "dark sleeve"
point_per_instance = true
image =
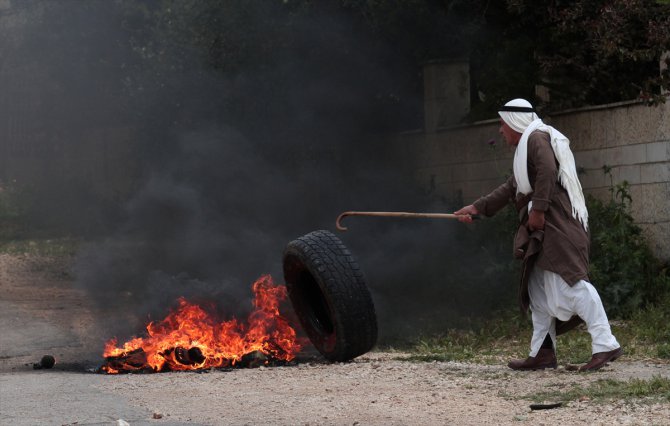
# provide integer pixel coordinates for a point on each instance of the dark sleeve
(497, 199)
(541, 155)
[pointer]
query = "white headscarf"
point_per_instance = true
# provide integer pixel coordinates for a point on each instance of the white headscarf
(525, 121)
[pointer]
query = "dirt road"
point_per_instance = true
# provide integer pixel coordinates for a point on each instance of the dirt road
(41, 313)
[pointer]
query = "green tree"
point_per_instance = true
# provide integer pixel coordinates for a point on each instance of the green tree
(605, 51)
(586, 52)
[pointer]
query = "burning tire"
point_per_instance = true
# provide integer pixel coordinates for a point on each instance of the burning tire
(330, 296)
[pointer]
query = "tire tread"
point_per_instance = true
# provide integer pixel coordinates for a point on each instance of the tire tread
(343, 284)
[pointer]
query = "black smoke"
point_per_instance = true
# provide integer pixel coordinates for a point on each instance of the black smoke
(237, 146)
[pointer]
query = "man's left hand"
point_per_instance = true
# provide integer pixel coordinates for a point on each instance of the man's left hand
(536, 220)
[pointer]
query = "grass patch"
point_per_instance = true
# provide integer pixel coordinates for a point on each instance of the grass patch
(493, 341)
(428, 357)
(485, 342)
(40, 247)
(654, 389)
(653, 325)
(663, 350)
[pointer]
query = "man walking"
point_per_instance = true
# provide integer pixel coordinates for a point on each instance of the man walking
(552, 239)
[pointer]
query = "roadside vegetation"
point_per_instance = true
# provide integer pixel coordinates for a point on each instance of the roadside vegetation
(644, 336)
(19, 236)
(656, 389)
(64, 246)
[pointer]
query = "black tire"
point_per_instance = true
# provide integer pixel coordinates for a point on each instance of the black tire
(330, 296)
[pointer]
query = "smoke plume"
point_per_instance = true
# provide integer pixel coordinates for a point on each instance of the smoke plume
(218, 152)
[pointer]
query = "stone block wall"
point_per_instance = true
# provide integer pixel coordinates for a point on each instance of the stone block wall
(465, 162)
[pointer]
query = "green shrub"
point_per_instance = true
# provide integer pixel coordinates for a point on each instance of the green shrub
(623, 268)
(663, 350)
(651, 326)
(12, 211)
(628, 276)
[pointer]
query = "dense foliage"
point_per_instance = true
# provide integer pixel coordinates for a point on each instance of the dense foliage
(585, 52)
(604, 51)
(11, 212)
(623, 267)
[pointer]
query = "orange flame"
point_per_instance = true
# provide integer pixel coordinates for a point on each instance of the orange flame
(219, 344)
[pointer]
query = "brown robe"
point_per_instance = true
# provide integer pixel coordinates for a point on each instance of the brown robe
(563, 246)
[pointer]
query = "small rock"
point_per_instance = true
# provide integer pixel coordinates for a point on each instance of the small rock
(157, 416)
(47, 361)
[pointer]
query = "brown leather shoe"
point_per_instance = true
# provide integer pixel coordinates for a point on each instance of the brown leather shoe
(600, 359)
(545, 358)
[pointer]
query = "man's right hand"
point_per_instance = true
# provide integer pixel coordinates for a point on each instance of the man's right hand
(465, 213)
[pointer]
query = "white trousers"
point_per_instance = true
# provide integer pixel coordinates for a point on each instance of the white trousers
(551, 297)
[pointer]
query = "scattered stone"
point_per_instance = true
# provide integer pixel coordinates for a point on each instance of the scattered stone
(46, 362)
(545, 406)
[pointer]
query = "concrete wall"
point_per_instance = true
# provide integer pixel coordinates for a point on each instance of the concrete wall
(446, 96)
(466, 162)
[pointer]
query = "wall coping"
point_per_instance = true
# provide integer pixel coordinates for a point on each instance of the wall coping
(598, 107)
(453, 127)
(554, 114)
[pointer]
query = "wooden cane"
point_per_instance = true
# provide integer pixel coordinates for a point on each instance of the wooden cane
(398, 214)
